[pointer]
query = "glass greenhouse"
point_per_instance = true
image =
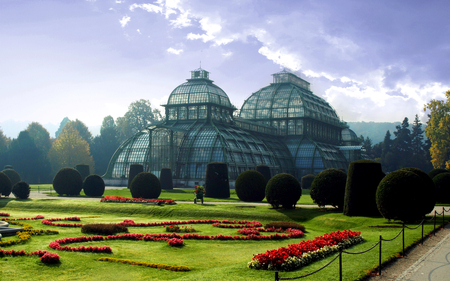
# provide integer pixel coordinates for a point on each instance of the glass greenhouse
(284, 126)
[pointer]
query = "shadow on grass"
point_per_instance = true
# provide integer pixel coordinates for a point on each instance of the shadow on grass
(306, 214)
(4, 201)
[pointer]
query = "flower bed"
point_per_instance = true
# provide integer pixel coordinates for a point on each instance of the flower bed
(297, 255)
(38, 217)
(120, 199)
(24, 236)
(46, 256)
(175, 242)
(50, 222)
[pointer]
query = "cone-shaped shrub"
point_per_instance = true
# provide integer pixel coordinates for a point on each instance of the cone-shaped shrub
(307, 181)
(442, 183)
(362, 181)
(166, 179)
(84, 170)
(399, 196)
(94, 186)
(265, 171)
(5, 184)
(436, 172)
(250, 186)
(68, 181)
(134, 170)
(216, 181)
(428, 190)
(328, 188)
(21, 190)
(13, 175)
(283, 190)
(145, 185)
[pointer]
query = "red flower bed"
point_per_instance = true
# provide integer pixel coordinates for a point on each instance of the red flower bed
(4, 215)
(46, 257)
(120, 199)
(50, 258)
(38, 217)
(175, 242)
(50, 222)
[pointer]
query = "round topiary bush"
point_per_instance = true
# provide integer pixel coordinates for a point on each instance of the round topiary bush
(399, 194)
(21, 190)
(166, 179)
(216, 181)
(328, 188)
(442, 184)
(283, 189)
(250, 186)
(84, 170)
(5, 184)
(145, 185)
(265, 171)
(13, 175)
(436, 172)
(428, 190)
(134, 170)
(94, 186)
(307, 180)
(68, 181)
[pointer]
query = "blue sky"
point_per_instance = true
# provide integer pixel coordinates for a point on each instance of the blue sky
(371, 60)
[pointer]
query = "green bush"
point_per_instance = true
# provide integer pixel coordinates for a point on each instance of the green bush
(216, 181)
(399, 196)
(362, 181)
(145, 185)
(265, 171)
(5, 184)
(103, 229)
(428, 190)
(436, 172)
(68, 181)
(21, 190)
(94, 186)
(328, 188)
(13, 175)
(442, 183)
(307, 180)
(283, 190)
(285, 225)
(166, 179)
(250, 186)
(84, 170)
(134, 170)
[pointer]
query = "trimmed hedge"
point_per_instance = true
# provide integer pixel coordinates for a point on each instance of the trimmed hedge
(436, 172)
(250, 186)
(166, 179)
(283, 190)
(362, 181)
(307, 180)
(265, 171)
(94, 186)
(5, 184)
(68, 181)
(399, 196)
(134, 170)
(21, 190)
(428, 190)
(216, 181)
(103, 229)
(285, 225)
(145, 185)
(328, 188)
(442, 183)
(13, 175)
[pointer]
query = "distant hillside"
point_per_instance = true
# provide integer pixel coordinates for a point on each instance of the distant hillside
(374, 130)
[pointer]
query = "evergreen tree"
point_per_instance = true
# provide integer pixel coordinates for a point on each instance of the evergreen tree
(402, 145)
(104, 145)
(61, 125)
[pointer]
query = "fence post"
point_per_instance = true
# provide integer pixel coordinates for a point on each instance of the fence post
(422, 231)
(403, 240)
(340, 264)
(435, 213)
(443, 218)
(379, 258)
(276, 275)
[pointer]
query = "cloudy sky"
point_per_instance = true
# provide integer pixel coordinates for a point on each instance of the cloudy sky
(373, 60)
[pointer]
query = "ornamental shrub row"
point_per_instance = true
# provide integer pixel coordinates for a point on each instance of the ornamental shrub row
(103, 229)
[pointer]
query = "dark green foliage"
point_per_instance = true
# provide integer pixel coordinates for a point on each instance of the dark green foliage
(399, 196)
(12, 175)
(5, 184)
(307, 181)
(68, 181)
(134, 170)
(328, 188)
(166, 179)
(362, 181)
(21, 190)
(8, 167)
(428, 190)
(216, 181)
(145, 185)
(436, 172)
(103, 229)
(84, 170)
(265, 171)
(283, 190)
(94, 186)
(250, 186)
(442, 183)
(285, 225)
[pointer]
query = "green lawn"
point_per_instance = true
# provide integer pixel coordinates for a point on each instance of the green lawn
(209, 260)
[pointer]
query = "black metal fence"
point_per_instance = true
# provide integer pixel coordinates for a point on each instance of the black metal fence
(379, 244)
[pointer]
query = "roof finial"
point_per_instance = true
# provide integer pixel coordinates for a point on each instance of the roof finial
(200, 64)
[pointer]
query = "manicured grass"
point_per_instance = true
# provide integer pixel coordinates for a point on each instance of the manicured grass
(209, 260)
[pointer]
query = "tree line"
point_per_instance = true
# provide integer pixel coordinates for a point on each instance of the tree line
(37, 157)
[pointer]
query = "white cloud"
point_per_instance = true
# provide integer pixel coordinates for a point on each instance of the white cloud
(124, 21)
(146, 7)
(181, 21)
(175, 51)
(281, 57)
(311, 73)
(227, 54)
